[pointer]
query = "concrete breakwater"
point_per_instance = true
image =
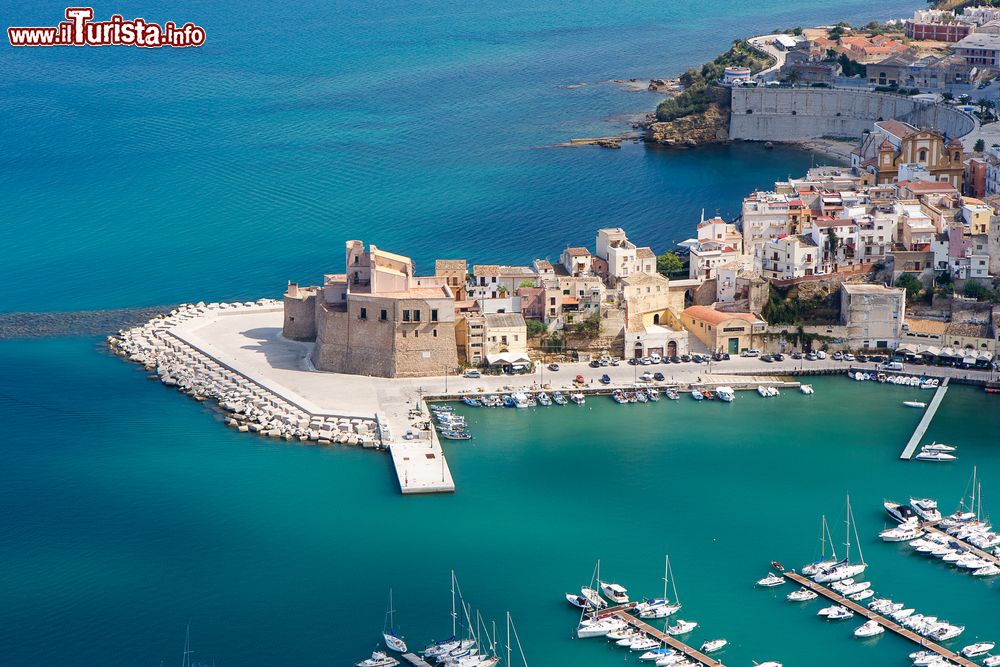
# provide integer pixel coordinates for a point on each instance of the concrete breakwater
(250, 406)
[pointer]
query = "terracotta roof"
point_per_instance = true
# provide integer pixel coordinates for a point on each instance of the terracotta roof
(968, 329)
(450, 265)
(926, 326)
(712, 316)
(486, 269)
(645, 253)
(577, 252)
(897, 128)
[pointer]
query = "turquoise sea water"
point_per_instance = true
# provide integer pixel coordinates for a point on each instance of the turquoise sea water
(129, 511)
(134, 178)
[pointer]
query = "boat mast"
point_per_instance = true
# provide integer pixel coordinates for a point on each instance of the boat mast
(454, 616)
(856, 538)
(186, 658)
(673, 581)
(520, 649)
(847, 556)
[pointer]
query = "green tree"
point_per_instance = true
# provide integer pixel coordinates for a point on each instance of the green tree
(980, 146)
(535, 328)
(527, 283)
(669, 263)
(911, 284)
(832, 244)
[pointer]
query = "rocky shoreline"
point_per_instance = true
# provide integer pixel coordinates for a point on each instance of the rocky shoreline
(248, 406)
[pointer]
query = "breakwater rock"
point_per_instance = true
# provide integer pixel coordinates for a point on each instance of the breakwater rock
(707, 127)
(249, 406)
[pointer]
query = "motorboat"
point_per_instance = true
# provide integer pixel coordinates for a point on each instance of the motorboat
(725, 394)
(839, 613)
(978, 649)
(578, 398)
(902, 533)
(938, 457)
(861, 596)
(988, 571)
(653, 394)
(901, 614)
(773, 391)
(672, 394)
(520, 399)
(558, 398)
(643, 643)
(578, 601)
(697, 395)
(627, 633)
(915, 404)
(472, 402)
(598, 627)
(378, 659)
(869, 629)
(899, 512)
(807, 389)
(657, 653)
(769, 663)
(681, 627)
(544, 399)
(762, 390)
(938, 447)
(926, 509)
(593, 597)
(714, 645)
(991, 661)
(614, 592)
(945, 632)
(455, 435)
(802, 595)
(771, 580)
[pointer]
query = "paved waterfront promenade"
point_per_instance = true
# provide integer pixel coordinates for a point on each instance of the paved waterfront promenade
(249, 342)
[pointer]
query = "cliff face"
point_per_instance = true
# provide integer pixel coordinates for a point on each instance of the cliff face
(708, 127)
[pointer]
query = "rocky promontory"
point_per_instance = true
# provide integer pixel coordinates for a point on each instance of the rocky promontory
(705, 127)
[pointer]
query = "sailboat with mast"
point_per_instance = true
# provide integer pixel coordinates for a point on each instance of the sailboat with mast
(594, 625)
(845, 569)
(446, 647)
(823, 563)
(389, 632)
(661, 607)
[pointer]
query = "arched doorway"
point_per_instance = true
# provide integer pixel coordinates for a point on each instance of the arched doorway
(688, 298)
(656, 318)
(637, 353)
(672, 348)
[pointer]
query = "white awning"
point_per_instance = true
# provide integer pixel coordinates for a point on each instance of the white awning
(907, 349)
(984, 356)
(508, 358)
(949, 352)
(969, 360)
(931, 350)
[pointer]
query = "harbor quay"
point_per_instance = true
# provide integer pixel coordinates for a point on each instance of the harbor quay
(236, 355)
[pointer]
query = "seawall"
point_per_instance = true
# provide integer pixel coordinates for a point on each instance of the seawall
(797, 114)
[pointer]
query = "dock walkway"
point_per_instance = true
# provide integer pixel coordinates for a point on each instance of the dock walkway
(985, 555)
(925, 423)
(621, 611)
(415, 660)
(924, 643)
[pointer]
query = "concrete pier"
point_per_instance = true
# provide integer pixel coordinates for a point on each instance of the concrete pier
(925, 423)
(421, 466)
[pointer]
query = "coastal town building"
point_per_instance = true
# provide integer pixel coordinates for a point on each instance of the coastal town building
(980, 49)
(936, 25)
(891, 144)
(505, 332)
(622, 257)
(788, 257)
(724, 331)
(376, 318)
(706, 256)
(873, 314)
(651, 325)
(576, 261)
(455, 273)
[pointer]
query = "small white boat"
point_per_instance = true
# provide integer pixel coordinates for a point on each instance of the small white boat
(926, 509)
(802, 595)
(598, 627)
(978, 649)
(578, 398)
(578, 601)
(988, 571)
(771, 580)
(658, 653)
(725, 394)
(807, 389)
(869, 629)
(915, 404)
(902, 533)
(839, 613)
(681, 627)
(697, 395)
(936, 457)
(862, 596)
(643, 643)
(769, 663)
(378, 659)
(614, 592)
(938, 447)
(992, 661)
(714, 645)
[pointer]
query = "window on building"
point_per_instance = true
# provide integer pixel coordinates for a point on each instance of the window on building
(406, 316)
(435, 333)
(434, 315)
(383, 315)
(416, 333)
(416, 316)
(364, 314)
(922, 155)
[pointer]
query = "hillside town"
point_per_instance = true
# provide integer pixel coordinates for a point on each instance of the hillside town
(886, 255)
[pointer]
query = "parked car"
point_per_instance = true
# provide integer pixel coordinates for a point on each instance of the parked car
(594, 363)
(659, 377)
(579, 379)
(811, 356)
(646, 377)
(615, 361)
(553, 367)
(645, 361)
(675, 359)
(696, 358)
(820, 354)
(894, 366)
(685, 358)
(605, 379)
(633, 361)
(838, 356)
(767, 358)
(753, 352)
(605, 361)
(655, 358)
(472, 373)
(725, 356)
(796, 355)
(778, 356)
(862, 359)
(848, 356)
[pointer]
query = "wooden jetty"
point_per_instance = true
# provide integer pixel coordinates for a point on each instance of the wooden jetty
(887, 623)
(415, 660)
(925, 423)
(621, 611)
(985, 555)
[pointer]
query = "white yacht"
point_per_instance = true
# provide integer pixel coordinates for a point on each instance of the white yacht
(802, 595)
(992, 661)
(915, 404)
(697, 395)
(938, 447)
(902, 533)
(598, 627)
(869, 629)
(725, 394)
(978, 649)
(578, 601)
(593, 597)
(614, 592)
(839, 613)
(657, 653)
(578, 398)
(681, 627)
(937, 457)
(520, 399)
(807, 389)
(714, 645)
(771, 580)
(926, 509)
(762, 390)
(643, 643)
(378, 659)
(389, 632)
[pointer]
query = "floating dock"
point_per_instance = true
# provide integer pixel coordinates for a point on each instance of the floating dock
(415, 660)
(924, 643)
(925, 423)
(621, 611)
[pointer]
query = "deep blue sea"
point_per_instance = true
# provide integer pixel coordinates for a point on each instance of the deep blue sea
(133, 177)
